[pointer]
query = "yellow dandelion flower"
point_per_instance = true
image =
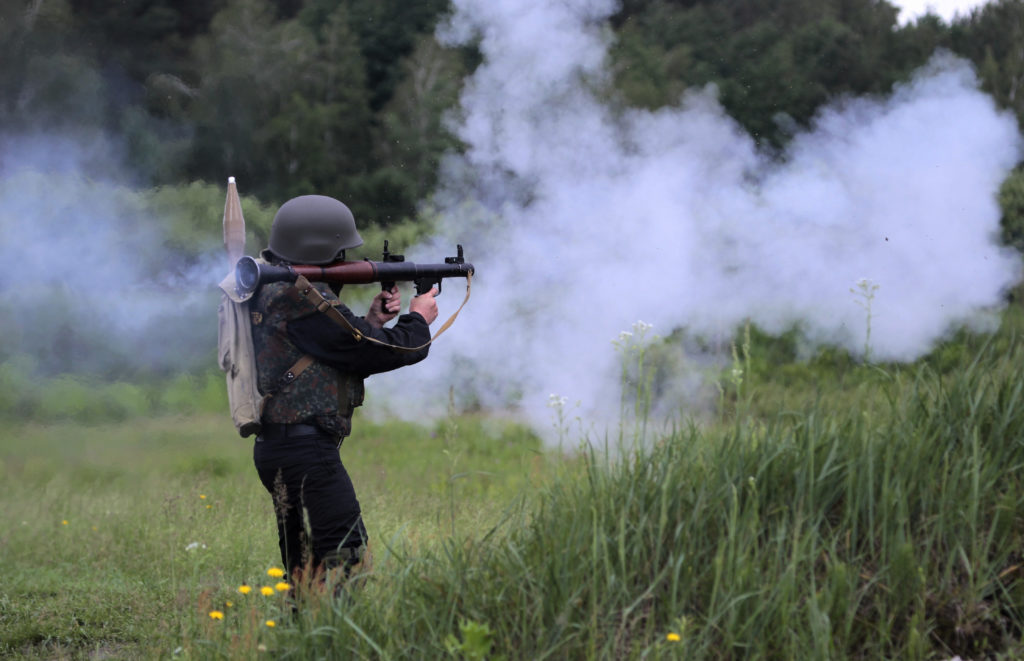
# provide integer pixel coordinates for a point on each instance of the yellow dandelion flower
(271, 623)
(202, 496)
(673, 637)
(282, 587)
(64, 522)
(244, 589)
(228, 604)
(266, 590)
(209, 506)
(275, 572)
(216, 615)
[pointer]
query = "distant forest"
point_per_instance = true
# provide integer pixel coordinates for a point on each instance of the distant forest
(296, 96)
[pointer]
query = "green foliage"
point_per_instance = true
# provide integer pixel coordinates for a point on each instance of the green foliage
(120, 539)
(190, 216)
(874, 516)
(475, 643)
(773, 65)
(48, 76)
(1011, 199)
(335, 97)
(75, 398)
(880, 527)
(190, 394)
(300, 92)
(991, 36)
(16, 387)
(347, 98)
(27, 397)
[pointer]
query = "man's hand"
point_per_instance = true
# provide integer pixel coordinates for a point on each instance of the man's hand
(384, 307)
(425, 305)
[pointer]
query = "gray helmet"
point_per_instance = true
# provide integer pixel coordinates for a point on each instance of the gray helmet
(313, 229)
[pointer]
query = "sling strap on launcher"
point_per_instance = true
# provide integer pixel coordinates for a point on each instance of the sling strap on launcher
(251, 273)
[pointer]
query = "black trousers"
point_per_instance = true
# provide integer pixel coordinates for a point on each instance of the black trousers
(318, 516)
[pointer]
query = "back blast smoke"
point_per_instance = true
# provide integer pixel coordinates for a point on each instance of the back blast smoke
(584, 219)
(90, 284)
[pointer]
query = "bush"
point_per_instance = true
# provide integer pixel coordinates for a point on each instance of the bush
(69, 398)
(122, 401)
(73, 397)
(1011, 199)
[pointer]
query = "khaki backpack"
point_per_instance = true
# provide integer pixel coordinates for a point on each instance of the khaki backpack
(237, 358)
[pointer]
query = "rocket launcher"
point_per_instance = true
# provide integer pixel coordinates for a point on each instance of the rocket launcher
(251, 274)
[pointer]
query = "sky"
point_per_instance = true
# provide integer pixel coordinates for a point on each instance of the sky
(911, 9)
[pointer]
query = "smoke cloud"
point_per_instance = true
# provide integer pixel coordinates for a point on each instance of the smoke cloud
(90, 284)
(583, 219)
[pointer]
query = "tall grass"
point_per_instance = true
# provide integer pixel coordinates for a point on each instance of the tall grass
(873, 513)
(888, 530)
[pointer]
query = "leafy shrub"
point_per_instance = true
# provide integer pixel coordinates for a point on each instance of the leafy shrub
(69, 398)
(121, 401)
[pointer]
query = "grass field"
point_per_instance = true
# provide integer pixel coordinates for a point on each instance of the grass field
(828, 510)
(117, 540)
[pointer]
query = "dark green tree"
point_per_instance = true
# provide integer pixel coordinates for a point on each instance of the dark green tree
(49, 78)
(322, 132)
(137, 38)
(414, 135)
(775, 62)
(387, 31)
(280, 108)
(993, 38)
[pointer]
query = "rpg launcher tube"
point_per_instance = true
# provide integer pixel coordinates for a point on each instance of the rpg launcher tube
(250, 274)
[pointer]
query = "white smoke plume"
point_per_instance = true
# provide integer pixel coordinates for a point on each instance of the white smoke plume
(582, 219)
(89, 284)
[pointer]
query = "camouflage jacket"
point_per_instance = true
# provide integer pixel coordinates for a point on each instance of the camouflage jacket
(321, 394)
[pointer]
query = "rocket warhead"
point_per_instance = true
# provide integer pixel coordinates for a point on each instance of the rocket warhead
(234, 224)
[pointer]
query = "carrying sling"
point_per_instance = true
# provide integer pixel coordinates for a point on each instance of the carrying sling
(310, 293)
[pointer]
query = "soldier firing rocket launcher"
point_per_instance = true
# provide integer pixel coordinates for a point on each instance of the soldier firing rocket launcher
(250, 274)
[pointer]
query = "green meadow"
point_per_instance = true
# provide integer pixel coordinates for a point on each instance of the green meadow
(825, 509)
(118, 539)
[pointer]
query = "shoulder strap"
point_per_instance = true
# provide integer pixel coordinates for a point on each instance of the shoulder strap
(291, 374)
(310, 293)
(295, 370)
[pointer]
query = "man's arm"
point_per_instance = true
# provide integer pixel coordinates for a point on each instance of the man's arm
(328, 342)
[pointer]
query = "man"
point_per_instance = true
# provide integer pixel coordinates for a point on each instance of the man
(310, 410)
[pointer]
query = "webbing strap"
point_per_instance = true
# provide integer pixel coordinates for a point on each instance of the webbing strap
(291, 374)
(311, 294)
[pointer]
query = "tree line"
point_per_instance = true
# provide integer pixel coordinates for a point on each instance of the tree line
(350, 96)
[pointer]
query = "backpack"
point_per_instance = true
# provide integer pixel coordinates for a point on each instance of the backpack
(237, 358)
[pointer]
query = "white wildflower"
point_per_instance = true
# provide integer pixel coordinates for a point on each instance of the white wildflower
(641, 327)
(556, 402)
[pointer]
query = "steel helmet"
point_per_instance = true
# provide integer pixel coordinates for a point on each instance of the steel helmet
(313, 229)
